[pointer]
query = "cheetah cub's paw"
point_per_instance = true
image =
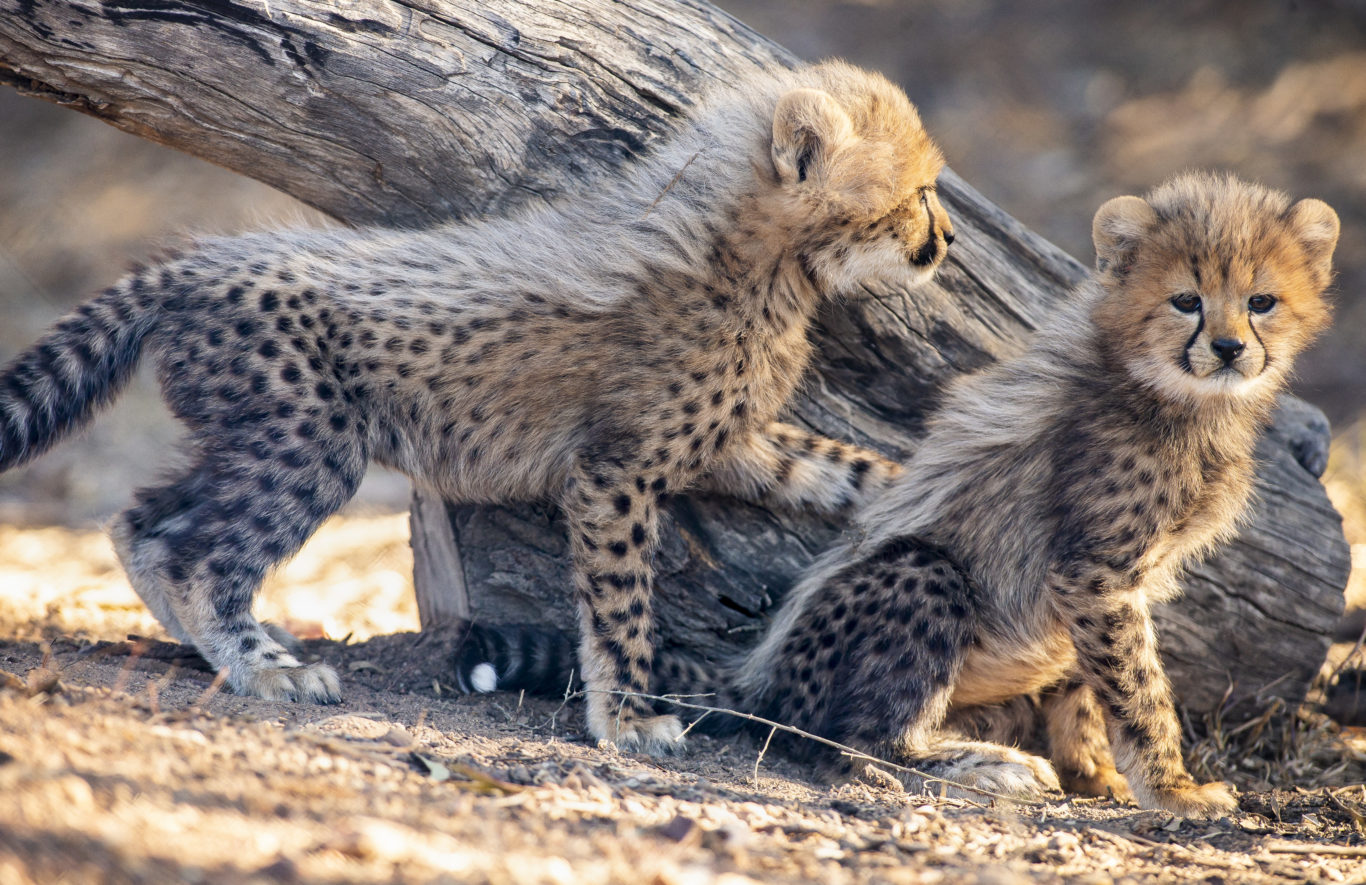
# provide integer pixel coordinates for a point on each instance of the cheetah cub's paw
(1203, 801)
(313, 683)
(1001, 770)
(1105, 782)
(653, 735)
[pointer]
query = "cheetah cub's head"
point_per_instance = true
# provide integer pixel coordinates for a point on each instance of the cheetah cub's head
(854, 163)
(1213, 284)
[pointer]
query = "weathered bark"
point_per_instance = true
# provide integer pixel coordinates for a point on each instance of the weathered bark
(411, 112)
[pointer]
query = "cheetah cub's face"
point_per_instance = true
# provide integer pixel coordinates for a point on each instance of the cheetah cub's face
(859, 164)
(1213, 285)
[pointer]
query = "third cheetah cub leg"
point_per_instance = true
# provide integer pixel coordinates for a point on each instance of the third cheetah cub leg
(1117, 655)
(613, 527)
(792, 468)
(1078, 745)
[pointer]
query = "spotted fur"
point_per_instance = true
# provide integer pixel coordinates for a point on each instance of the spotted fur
(600, 353)
(1056, 497)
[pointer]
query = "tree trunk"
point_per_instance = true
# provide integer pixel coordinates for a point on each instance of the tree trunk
(408, 113)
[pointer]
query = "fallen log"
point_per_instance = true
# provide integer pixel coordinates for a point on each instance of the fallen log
(408, 113)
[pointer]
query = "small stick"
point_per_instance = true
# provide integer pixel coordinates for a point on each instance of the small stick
(620, 707)
(214, 687)
(772, 731)
(684, 732)
(134, 655)
(1328, 850)
(568, 694)
(672, 181)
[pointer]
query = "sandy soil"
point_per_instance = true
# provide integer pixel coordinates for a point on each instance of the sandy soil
(119, 763)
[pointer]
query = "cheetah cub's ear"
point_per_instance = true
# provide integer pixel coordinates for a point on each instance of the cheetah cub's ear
(1315, 225)
(1118, 228)
(808, 126)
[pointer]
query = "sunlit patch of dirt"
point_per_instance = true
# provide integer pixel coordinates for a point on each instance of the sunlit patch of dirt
(122, 763)
(353, 578)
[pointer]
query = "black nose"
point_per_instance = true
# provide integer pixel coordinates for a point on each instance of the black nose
(948, 238)
(1227, 349)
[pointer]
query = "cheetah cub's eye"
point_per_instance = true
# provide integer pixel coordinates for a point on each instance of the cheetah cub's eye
(1186, 302)
(1261, 303)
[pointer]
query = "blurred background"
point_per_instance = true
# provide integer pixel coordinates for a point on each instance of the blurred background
(1049, 107)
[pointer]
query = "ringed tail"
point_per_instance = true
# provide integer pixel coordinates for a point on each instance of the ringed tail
(57, 385)
(513, 657)
(544, 661)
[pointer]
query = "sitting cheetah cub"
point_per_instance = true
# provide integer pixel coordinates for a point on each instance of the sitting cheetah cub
(1054, 500)
(629, 343)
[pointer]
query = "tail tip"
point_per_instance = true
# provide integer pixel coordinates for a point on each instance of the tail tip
(484, 678)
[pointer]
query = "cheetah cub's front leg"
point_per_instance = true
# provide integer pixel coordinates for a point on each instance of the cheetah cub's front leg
(613, 524)
(1117, 654)
(1078, 743)
(793, 469)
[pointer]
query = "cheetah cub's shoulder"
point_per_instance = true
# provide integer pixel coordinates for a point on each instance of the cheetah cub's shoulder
(636, 340)
(1055, 497)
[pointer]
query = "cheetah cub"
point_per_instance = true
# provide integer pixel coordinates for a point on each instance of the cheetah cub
(635, 341)
(1054, 500)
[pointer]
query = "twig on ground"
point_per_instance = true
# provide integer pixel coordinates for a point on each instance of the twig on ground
(135, 653)
(214, 687)
(844, 749)
(1327, 850)
(564, 701)
(762, 751)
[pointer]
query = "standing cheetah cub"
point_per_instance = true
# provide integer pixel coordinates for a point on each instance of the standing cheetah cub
(1055, 499)
(633, 342)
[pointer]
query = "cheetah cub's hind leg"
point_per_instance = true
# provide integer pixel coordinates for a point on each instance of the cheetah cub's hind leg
(962, 768)
(870, 660)
(196, 551)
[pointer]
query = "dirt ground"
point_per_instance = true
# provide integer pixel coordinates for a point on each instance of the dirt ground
(120, 764)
